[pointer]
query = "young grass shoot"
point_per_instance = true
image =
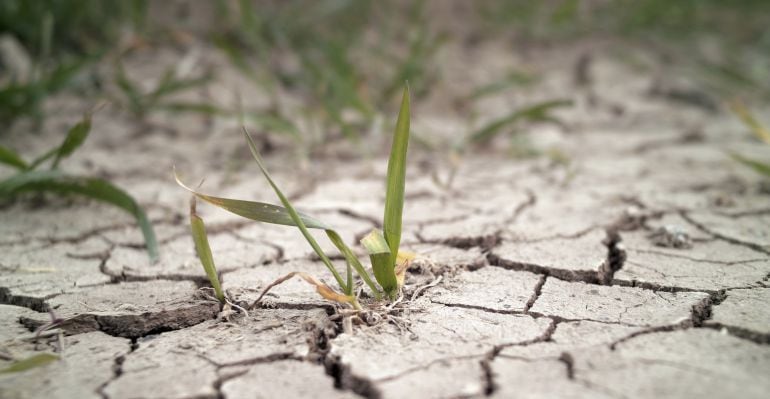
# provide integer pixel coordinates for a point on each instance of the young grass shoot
(387, 260)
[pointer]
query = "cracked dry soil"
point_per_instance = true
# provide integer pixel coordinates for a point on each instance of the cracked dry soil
(534, 279)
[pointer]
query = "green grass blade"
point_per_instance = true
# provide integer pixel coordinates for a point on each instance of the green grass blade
(353, 261)
(383, 264)
(11, 158)
(98, 189)
(349, 279)
(760, 167)
(396, 180)
(75, 138)
(537, 112)
(295, 217)
(203, 249)
(39, 360)
(259, 211)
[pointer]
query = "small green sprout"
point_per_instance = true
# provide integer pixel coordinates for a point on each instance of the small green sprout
(30, 178)
(388, 262)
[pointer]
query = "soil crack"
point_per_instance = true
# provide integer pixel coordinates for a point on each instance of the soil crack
(616, 257)
(536, 294)
(700, 226)
(29, 302)
(700, 312)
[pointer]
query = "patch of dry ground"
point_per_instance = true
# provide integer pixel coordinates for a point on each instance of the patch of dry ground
(639, 269)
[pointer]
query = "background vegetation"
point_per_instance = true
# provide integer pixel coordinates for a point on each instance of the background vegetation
(341, 57)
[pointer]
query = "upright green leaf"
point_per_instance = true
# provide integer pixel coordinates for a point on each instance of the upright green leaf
(382, 261)
(349, 279)
(11, 158)
(204, 251)
(98, 189)
(295, 217)
(394, 196)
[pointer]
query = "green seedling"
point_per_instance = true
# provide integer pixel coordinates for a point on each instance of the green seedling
(388, 262)
(141, 103)
(540, 112)
(759, 130)
(31, 178)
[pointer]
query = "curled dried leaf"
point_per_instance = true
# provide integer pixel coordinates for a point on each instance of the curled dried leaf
(403, 260)
(322, 288)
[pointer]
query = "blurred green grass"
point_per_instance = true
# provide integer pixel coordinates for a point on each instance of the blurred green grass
(55, 40)
(78, 26)
(341, 56)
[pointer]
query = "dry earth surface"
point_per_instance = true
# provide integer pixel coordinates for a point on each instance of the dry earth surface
(637, 269)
